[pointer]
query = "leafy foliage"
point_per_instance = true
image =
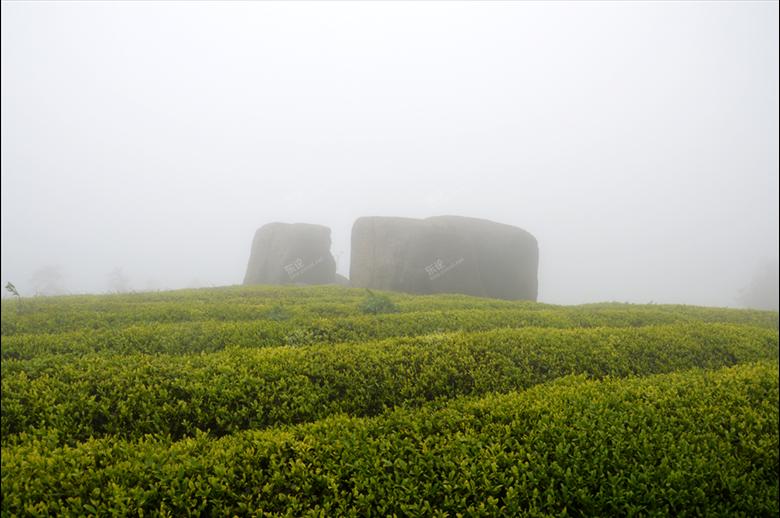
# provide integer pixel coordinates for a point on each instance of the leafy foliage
(110, 313)
(238, 389)
(690, 443)
(295, 401)
(277, 313)
(13, 291)
(375, 304)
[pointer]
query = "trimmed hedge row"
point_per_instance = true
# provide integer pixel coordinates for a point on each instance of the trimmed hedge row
(238, 389)
(62, 314)
(209, 336)
(74, 313)
(685, 444)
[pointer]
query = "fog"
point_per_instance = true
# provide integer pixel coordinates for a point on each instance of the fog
(144, 143)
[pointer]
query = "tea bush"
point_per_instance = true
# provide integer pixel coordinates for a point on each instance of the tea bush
(692, 443)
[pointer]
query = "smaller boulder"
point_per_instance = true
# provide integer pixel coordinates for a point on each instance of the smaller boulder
(291, 253)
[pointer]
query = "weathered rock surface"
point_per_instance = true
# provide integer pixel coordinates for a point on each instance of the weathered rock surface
(341, 280)
(444, 254)
(291, 253)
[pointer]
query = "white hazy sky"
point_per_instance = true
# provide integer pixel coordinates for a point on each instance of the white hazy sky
(637, 141)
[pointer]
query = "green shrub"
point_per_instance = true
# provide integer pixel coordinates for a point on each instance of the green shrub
(277, 313)
(303, 329)
(238, 389)
(375, 304)
(53, 315)
(693, 443)
(291, 401)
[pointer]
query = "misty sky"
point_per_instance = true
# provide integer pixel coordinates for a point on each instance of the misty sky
(637, 141)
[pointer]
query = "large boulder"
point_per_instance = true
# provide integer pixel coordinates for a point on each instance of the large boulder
(444, 254)
(291, 253)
